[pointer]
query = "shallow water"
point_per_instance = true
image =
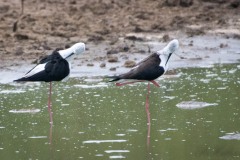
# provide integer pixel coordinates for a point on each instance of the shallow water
(97, 120)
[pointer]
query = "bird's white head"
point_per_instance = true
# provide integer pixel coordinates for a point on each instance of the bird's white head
(166, 53)
(171, 47)
(76, 49)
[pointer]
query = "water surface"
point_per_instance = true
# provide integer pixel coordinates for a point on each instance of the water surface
(97, 120)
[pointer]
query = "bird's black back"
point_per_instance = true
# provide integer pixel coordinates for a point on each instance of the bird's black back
(56, 69)
(49, 57)
(147, 69)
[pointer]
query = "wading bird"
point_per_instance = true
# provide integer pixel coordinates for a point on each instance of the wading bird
(149, 69)
(54, 67)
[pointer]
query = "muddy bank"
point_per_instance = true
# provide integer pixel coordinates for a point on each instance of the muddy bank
(198, 51)
(117, 33)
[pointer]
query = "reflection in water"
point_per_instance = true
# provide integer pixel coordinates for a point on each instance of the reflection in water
(50, 133)
(146, 105)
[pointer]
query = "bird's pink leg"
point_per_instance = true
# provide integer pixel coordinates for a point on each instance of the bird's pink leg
(155, 83)
(148, 114)
(50, 103)
(124, 83)
(147, 104)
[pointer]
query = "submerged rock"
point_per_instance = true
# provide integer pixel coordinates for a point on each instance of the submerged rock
(194, 104)
(24, 110)
(231, 136)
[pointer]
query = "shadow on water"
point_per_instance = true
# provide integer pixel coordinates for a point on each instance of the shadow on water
(193, 116)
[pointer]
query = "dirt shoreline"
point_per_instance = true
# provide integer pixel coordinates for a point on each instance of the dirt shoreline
(208, 31)
(198, 51)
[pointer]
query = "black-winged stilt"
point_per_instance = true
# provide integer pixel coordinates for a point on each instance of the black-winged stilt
(149, 69)
(54, 67)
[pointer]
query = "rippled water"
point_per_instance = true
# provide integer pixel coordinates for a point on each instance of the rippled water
(97, 120)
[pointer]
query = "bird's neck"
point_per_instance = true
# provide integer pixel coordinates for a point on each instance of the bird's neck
(66, 54)
(164, 61)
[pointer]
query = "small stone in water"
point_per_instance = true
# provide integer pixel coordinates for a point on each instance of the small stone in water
(102, 65)
(194, 104)
(231, 137)
(113, 59)
(129, 64)
(90, 64)
(112, 69)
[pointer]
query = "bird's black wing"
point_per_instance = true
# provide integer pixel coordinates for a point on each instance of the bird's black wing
(49, 57)
(45, 59)
(55, 69)
(153, 55)
(148, 69)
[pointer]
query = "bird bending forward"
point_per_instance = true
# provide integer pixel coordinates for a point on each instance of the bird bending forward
(54, 67)
(151, 67)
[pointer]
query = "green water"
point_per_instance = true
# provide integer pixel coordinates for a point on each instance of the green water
(97, 120)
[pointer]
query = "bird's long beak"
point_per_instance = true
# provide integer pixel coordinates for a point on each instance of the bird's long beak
(69, 55)
(168, 58)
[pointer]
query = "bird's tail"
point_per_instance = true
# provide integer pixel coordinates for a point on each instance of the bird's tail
(23, 79)
(114, 78)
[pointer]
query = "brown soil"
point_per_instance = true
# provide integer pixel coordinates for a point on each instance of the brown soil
(47, 24)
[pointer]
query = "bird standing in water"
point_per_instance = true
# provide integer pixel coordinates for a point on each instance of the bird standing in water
(54, 67)
(149, 69)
